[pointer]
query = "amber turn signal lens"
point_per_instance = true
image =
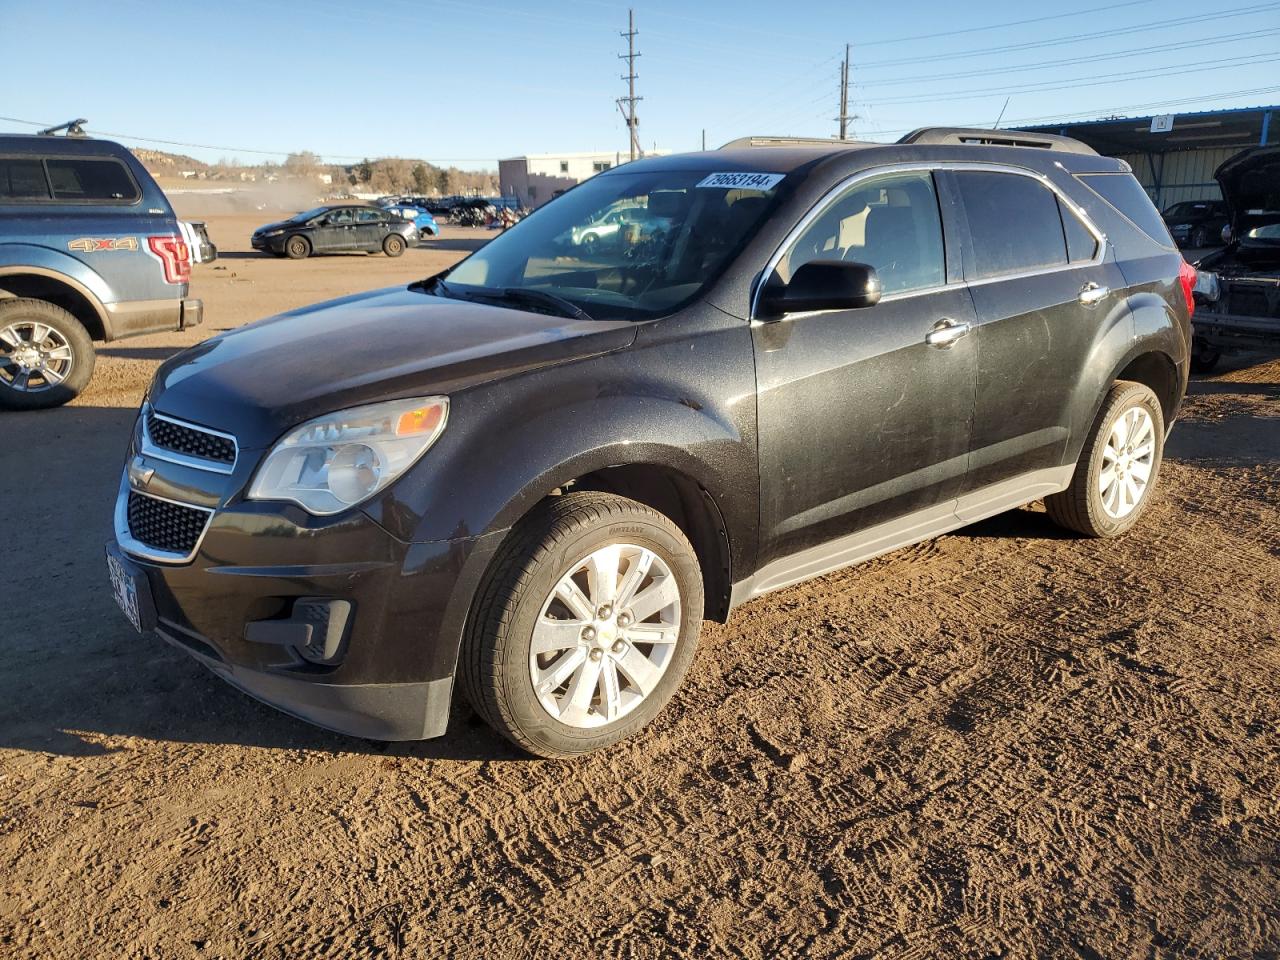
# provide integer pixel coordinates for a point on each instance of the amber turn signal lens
(422, 420)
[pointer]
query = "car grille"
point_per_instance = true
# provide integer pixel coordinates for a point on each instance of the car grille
(190, 441)
(166, 526)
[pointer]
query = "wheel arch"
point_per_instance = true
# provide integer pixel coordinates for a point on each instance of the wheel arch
(40, 283)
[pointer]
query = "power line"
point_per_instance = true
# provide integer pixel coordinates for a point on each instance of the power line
(1094, 58)
(1074, 38)
(1102, 79)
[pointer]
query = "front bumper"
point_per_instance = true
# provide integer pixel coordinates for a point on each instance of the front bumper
(257, 567)
(272, 244)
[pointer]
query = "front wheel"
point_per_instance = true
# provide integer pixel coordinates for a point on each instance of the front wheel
(46, 355)
(1118, 466)
(393, 245)
(584, 626)
(297, 248)
(1199, 237)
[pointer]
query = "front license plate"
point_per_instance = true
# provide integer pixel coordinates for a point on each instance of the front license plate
(129, 587)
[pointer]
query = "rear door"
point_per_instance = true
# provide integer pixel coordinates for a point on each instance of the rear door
(861, 420)
(370, 228)
(1043, 294)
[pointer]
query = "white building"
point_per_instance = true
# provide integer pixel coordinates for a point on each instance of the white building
(536, 178)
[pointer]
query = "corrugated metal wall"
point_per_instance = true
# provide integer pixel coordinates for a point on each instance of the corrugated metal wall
(1183, 175)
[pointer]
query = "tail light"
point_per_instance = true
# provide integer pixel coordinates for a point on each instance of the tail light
(1187, 277)
(175, 257)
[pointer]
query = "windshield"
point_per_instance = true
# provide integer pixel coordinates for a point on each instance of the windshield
(622, 246)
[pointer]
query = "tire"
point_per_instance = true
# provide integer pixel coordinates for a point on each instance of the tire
(1092, 507)
(297, 248)
(1198, 237)
(497, 663)
(393, 245)
(63, 345)
(1204, 358)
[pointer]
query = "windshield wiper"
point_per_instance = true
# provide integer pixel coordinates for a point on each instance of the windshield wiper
(541, 297)
(432, 284)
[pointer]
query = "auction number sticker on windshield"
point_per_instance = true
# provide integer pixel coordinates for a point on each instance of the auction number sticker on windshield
(742, 181)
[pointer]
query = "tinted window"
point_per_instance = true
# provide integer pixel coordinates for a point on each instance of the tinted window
(90, 180)
(1124, 193)
(1013, 223)
(22, 179)
(1081, 244)
(368, 216)
(890, 223)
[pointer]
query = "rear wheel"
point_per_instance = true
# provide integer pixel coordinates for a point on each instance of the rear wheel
(1118, 467)
(393, 245)
(585, 625)
(46, 355)
(297, 248)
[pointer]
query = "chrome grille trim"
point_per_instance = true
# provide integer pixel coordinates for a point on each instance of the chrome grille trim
(150, 448)
(136, 547)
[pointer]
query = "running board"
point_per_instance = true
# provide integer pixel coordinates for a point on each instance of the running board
(902, 532)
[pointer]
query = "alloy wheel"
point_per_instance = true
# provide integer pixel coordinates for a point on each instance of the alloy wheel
(1127, 460)
(33, 356)
(605, 636)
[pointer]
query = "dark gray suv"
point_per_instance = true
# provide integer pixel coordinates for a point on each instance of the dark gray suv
(89, 250)
(542, 469)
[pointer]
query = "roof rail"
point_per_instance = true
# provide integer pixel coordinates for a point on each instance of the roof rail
(997, 138)
(759, 141)
(74, 128)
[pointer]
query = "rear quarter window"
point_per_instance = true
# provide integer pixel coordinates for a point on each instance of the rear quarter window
(91, 180)
(1126, 195)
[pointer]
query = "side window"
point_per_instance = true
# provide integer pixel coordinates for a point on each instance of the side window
(1081, 244)
(340, 216)
(22, 179)
(76, 179)
(368, 216)
(1013, 223)
(890, 222)
(1124, 193)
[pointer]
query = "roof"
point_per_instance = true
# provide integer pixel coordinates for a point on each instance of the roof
(35, 143)
(1242, 127)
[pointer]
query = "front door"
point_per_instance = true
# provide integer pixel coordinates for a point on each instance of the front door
(862, 419)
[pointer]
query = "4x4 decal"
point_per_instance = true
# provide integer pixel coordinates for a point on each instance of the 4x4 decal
(94, 244)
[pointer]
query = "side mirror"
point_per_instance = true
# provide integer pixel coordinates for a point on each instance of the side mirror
(823, 285)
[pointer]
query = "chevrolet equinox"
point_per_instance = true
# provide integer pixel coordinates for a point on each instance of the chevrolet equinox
(536, 473)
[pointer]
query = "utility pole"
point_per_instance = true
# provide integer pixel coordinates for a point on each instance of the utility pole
(631, 99)
(844, 95)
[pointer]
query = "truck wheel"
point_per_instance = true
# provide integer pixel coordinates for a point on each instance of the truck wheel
(584, 625)
(393, 245)
(1198, 237)
(1118, 467)
(46, 355)
(1203, 356)
(297, 248)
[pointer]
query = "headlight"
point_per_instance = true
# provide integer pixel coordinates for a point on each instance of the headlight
(273, 233)
(341, 459)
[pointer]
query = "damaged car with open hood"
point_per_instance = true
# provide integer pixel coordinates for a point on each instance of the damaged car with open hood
(1238, 289)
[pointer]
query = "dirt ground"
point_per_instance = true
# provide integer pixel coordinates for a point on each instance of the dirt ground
(1004, 743)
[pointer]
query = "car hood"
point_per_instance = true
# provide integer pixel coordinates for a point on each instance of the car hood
(276, 225)
(259, 380)
(1250, 181)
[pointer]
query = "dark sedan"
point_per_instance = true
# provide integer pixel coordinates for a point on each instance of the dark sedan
(337, 228)
(1196, 223)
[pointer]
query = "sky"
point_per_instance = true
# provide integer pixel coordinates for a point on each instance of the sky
(465, 83)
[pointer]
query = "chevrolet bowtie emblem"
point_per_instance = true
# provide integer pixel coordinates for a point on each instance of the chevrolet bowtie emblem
(140, 474)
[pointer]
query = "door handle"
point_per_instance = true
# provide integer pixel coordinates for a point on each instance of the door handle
(1092, 292)
(945, 333)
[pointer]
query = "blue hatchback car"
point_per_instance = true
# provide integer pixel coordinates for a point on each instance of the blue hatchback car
(425, 222)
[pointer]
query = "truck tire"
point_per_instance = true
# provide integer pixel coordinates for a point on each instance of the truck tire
(46, 355)
(297, 248)
(393, 245)
(1118, 466)
(584, 625)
